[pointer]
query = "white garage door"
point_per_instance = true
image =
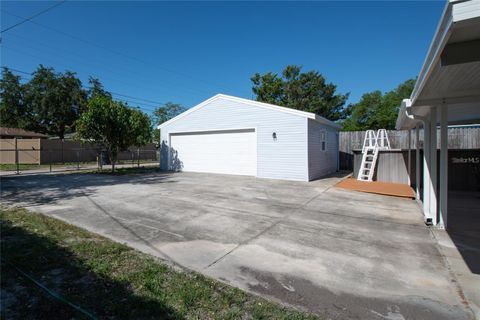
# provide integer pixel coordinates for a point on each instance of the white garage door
(229, 152)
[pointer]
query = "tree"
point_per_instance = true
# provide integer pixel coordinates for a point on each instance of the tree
(141, 128)
(96, 89)
(14, 112)
(376, 110)
(113, 125)
(163, 114)
(167, 112)
(305, 91)
(56, 101)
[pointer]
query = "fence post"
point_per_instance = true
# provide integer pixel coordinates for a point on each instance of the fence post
(16, 156)
(138, 157)
(78, 162)
(100, 160)
(50, 159)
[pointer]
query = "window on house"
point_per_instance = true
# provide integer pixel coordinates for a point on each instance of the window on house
(323, 140)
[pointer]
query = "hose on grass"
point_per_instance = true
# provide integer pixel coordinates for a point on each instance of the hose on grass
(50, 292)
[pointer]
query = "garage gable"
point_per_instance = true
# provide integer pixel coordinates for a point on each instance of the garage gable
(219, 98)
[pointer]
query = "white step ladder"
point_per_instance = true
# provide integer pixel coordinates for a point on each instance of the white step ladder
(382, 139)
(372, 143)
(369, 160)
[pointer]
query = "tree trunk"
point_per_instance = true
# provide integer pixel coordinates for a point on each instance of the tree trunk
(61, 133)
(113, 159)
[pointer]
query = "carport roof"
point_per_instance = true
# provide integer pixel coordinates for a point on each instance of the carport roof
(304, 114)
(450, 76)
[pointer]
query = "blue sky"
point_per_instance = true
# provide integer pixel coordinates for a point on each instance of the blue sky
(186, 52)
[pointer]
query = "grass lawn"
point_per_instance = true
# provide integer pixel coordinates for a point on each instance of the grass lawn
(23, 166)
(12, 167)
(124, 167)
(129, 170)
(107, 279)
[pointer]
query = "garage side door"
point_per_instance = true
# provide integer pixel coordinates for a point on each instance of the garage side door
(228, 152)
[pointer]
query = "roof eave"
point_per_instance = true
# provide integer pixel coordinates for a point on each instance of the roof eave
(327, 122)
(406, 119)
(439, 41)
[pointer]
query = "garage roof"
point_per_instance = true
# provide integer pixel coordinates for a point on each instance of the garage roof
(219, 96)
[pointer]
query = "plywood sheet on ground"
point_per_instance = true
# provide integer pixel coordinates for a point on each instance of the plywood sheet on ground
(385, 188)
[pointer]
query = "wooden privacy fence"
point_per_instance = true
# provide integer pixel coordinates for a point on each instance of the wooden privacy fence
(44, 151)
(10, 151)
(462, 138)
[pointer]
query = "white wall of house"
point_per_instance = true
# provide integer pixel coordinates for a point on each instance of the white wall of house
(285, 157)
(321, 162)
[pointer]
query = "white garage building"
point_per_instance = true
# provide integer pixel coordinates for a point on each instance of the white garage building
(231, 135)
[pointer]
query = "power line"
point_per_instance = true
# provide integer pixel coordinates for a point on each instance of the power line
(85, 60)
(16, 70)
(146, 106)
(114, 51)
(115, 79)
(127, 96)
(143, 105)
(33, 16)
(88, 87)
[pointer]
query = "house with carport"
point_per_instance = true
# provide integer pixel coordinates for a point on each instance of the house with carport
(447, 92)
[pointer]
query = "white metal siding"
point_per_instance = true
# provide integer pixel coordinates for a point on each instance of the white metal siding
(321, 163)
(466, 10)
(229, 152)
(283, 158)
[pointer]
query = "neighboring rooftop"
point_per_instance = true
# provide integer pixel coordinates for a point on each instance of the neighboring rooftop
(9, 133)
(66, 136)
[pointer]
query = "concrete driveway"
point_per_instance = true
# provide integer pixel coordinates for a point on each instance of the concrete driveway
(345, 254)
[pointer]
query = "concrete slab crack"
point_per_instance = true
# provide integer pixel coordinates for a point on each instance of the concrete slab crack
(124, 226)
(273, 225)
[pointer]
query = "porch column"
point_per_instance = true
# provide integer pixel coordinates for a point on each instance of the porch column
(443, 165)
(433, 165)
(426, 168)
(417, 162)
(409, 167)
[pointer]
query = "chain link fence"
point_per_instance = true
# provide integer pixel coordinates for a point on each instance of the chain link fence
(41, 155)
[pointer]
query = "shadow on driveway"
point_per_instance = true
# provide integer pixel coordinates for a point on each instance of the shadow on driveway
(464, 226)
(48, 189)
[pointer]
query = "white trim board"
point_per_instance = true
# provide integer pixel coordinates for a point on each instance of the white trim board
(211, 130)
